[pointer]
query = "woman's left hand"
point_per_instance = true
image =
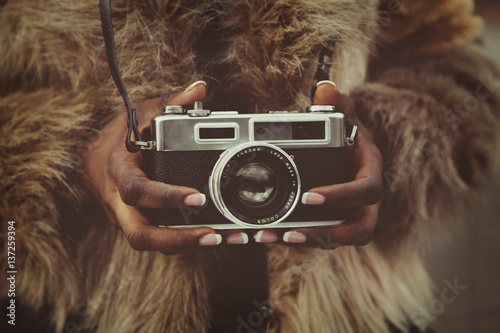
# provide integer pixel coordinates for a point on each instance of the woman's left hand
(363, 194)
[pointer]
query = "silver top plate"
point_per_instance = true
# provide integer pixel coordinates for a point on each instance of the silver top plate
(181, 132)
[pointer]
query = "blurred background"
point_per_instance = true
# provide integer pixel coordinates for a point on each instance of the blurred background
(471, 253)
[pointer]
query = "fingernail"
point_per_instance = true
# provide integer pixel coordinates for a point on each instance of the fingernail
(326, 82)
(264, 236)
(191, 87)
(240, 238)
(312, 198)
(210, 240)
(196, 199)
(294, 237)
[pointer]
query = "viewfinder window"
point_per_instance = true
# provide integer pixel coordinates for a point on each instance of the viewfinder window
(217, 133)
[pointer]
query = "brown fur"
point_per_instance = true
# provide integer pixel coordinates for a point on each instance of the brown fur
(56, 91)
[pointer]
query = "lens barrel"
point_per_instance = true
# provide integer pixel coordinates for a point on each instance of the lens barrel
(255, 184)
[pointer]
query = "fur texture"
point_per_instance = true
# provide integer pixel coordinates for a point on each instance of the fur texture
(407, 76)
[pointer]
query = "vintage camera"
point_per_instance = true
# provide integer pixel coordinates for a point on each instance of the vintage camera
(253, 168)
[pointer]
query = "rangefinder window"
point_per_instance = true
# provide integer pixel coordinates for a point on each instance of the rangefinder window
(272, 131)
(302, 130)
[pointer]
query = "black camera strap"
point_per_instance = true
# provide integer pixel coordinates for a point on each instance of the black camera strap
(325, 62)
(109, 42)
(241, 292)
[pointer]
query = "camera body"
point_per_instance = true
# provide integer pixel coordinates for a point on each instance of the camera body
(253, 168)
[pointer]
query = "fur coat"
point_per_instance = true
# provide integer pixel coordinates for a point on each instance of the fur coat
(418, 76)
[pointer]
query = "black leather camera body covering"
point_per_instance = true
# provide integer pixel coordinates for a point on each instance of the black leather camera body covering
(316, 167)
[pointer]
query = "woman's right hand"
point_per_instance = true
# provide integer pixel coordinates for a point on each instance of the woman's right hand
(117, 180)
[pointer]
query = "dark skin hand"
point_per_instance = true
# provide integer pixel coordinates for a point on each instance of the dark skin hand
(363, 193)
(117, 180)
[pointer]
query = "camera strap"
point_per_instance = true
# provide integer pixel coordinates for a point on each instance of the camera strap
(241, 292)
(325, 62)
(109, 42)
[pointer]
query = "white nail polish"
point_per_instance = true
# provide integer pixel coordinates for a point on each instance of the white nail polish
(326, 82)
(304, 198)
(265, 236)
(312, 198)
(203, 199)
(210, 240)
(258, 236)
(219, 238)
(191, 87)
(239, 238)
(245, 238)
(294, 237)
(196, 199)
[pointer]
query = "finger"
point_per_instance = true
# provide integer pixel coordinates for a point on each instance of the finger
(195, 92)
(358, 231)
(328, 94)
(235, 237)
(136, 189)
(143, 236)
(266, 236)
(152, 107)
(365, 189)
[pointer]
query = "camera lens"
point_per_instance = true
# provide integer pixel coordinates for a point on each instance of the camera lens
(255, 183)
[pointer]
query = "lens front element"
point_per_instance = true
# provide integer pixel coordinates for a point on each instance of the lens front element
(255, 184)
